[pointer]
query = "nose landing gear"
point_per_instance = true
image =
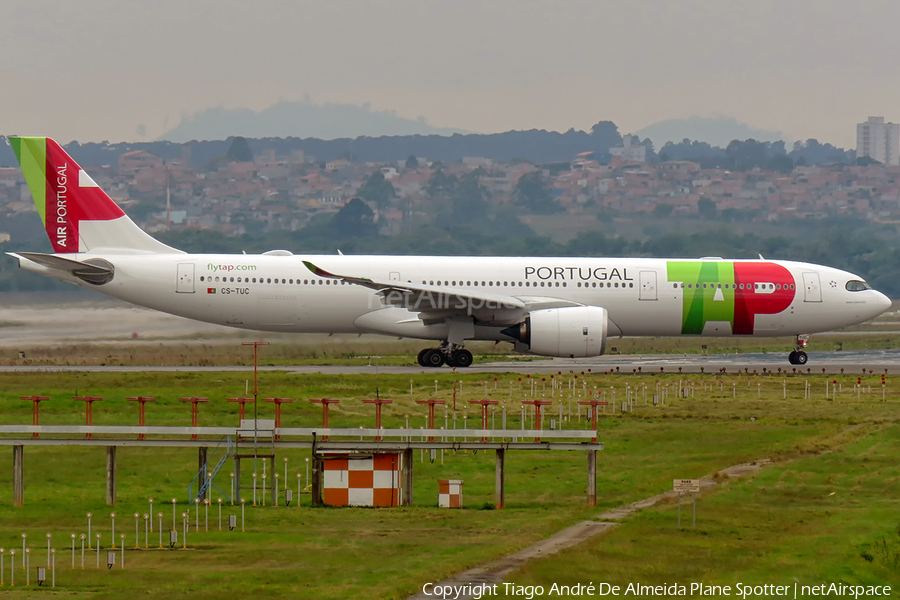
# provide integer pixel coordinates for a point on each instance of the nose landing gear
(798, 356)
(452, 356)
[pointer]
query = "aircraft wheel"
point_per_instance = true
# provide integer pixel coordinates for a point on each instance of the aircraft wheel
(462, 358)
(421, 357)
(792, 357)
(433, 358)
(802, 358)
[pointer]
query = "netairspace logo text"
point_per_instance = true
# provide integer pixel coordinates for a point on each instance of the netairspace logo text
(739, 590)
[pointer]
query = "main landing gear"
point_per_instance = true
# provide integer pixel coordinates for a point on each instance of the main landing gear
(445, 355)
(798, 356)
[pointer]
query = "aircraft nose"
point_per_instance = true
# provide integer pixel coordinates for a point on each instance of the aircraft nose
(881, 302)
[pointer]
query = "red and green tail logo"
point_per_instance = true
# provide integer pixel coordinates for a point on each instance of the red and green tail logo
(63, 192)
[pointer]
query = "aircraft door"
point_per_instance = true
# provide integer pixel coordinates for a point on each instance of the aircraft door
(394, 276)
(812, 291)
(648, 285)
(184, 283)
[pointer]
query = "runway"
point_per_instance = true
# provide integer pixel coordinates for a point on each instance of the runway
(876, 361)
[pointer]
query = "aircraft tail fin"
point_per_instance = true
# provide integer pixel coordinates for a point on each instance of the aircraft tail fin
(78, 216)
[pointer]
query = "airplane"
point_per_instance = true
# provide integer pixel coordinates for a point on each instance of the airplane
(549, 306)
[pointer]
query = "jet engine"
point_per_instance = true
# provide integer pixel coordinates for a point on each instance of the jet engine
(573, 332)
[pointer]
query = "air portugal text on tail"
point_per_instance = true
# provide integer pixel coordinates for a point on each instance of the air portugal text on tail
(563, 307)
(78, 216)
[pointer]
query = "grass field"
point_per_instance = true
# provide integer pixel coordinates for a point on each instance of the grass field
(824, 510)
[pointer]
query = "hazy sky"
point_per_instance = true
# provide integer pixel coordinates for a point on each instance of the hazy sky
(100, 69)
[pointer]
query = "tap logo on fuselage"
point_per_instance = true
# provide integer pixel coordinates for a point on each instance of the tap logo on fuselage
(735, 292)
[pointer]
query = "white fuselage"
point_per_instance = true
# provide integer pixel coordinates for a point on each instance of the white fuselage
(643, 296)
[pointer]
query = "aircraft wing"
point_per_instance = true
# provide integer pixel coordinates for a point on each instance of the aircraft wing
(428, 298)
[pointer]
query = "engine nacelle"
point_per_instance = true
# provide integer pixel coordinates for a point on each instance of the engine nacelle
(573, 332)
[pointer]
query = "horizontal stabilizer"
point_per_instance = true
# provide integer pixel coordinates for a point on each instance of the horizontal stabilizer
(96, 271)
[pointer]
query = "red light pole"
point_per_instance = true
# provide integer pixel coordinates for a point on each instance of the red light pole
(278, 402)
(324, 402)
(242, 402)
(88, 412)
(195, 411)
(378, 402)
(431, 402)
(256, 346)
(484, 408)
(35, 410)
(537, 413)
(141, 400)
(594, 404)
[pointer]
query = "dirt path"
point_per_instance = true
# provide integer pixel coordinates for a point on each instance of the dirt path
(497, 571)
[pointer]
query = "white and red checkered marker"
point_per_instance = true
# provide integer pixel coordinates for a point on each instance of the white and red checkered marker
(450, 493)
(369, 481)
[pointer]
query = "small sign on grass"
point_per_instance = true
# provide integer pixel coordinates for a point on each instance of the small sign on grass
(687, 486)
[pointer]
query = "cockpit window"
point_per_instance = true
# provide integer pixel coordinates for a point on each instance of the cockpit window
(855, 285)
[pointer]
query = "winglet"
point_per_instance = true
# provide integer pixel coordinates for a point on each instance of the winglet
(319, 272)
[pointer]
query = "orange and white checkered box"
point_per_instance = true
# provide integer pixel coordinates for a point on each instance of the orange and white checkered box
(450, 493)
(372, 480)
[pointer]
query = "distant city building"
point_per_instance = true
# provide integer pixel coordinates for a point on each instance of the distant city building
(474, 162)
(879, 141)
(630, 150)
(132, 162)
(337, 164)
